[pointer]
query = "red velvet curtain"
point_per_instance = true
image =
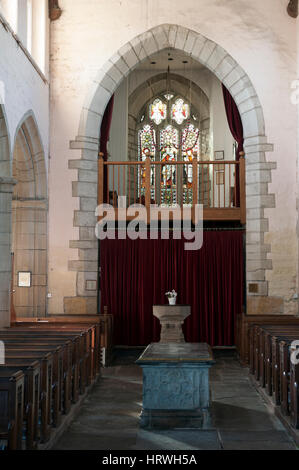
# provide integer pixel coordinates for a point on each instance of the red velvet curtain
(104, 137)
(236, 128)
(136, 274)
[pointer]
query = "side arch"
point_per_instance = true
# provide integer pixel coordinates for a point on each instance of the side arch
(29, 219)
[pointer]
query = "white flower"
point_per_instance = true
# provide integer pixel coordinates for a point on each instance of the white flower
(171, 294)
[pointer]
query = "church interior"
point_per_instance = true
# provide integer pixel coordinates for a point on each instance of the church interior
(149, 242)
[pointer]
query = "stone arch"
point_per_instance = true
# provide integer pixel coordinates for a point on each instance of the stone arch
(6, 189)
(4, 146)
(258, 171)
(28, 146)
(29, 218)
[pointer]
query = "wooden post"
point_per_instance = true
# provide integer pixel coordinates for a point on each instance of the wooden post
(242, 188)
(100, 178)
(194, 186)
(148, 186)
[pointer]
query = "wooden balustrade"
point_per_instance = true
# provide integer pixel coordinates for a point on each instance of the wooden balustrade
(218, 185)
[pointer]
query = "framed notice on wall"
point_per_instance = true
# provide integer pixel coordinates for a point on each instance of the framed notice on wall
(24, 279)
(219, 155)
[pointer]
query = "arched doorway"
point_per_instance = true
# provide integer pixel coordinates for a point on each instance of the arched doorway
(29, 222)
(229, 72)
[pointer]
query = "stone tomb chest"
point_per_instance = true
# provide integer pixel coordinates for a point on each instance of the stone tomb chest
(176, 389)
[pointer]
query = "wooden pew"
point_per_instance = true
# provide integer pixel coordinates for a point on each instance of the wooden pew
(61, 351)
(285, 378)
(46, 361)
(86, 344)
(244, 324)
(94, 330)
(71, 373)
(84, 347)
(11, 408)
(68, 363)
(270, 353)
(57, 323)
(294, 395)
(258, 346)
(15, 349)
(31, 399)
(103, 325)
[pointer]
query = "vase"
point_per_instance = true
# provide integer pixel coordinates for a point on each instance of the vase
(172, 300)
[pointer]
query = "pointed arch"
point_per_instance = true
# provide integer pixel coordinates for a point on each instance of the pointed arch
(29, 153)
(4, 145)
(235, 79)
(29, 218)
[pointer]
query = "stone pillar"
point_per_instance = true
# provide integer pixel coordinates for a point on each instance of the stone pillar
(258, 176)
(85, 188)
(6, 190)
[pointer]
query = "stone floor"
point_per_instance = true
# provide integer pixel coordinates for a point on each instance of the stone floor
(108, 419)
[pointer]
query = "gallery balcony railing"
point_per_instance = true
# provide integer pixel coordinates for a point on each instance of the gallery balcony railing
(218, 185)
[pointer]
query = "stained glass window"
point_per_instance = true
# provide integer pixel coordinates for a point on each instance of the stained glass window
(174, 140)
(157, 111)
(180, 111)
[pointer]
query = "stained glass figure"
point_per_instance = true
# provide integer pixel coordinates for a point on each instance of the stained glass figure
(146, 144)
(190, 140)
(146, 148)
(180, 111)
(190, 149)
(169, 141)
(157, 111)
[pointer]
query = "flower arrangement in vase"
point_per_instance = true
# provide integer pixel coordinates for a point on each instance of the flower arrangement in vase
(171, 297)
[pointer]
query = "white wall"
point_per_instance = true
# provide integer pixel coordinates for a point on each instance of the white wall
(221, 134)
(260, 36)
(40, 34)
(22, 21)
(9, 9)
(25, 90)
(29, 21)
(118, 141)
